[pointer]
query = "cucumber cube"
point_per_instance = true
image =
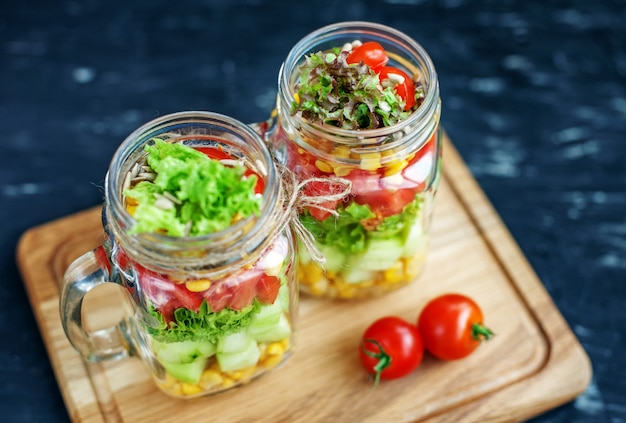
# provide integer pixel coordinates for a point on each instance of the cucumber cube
(246, 357)
(184, 351)
(234, 342)
(271, 333)
(187, 372)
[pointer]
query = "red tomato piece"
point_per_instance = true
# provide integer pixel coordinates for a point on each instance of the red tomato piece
(243, 295)
(391, 348)
(386, 203)
(364, 181)
(301, 162)
(371, 53)
(214, 153)
(451, 326)
(319, 188)
(267, 289)
(219, 297)
(405, 89)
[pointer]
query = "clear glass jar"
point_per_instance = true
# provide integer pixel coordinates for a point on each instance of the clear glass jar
(394, 171)
(209, 312)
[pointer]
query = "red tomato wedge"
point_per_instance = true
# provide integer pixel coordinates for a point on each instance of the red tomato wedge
(385, 203)
(371, 53)
(267, 289)
(319, 188)
(405, 89)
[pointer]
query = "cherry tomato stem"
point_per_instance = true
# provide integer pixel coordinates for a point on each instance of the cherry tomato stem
(384, 359)
(481, 332)
(390, 348)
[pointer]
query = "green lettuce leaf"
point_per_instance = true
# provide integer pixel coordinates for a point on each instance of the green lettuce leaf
(395, 224)
(203, 195)
(202, 325)
(348, 96)
(347, 233)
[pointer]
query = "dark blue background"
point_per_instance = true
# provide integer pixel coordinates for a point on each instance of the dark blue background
(534, 98)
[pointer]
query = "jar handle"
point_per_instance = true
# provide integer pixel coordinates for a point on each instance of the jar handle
(87, 272)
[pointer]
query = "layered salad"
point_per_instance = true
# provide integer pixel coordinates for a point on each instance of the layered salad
(205, 334)
(375, 239)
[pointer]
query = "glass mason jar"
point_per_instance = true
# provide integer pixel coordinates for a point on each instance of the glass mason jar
(209, 312)
(394, 172)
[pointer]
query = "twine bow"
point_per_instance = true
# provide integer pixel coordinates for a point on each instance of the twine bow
(297, 200)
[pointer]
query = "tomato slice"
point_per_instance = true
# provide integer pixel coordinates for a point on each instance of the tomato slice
(267, 289)
(214, 153)
(371, 53)
(219, 297)
(244, 290)
(364, 181)
(387, 203)
(320, 188)
(405, 89)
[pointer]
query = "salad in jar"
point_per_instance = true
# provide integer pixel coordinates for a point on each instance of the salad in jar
(206, 330)
(361, 112)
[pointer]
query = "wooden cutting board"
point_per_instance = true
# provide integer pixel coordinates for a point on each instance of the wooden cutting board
(533, 364)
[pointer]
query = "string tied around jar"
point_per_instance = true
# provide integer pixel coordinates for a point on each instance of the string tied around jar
(296, 200)
(212, 256)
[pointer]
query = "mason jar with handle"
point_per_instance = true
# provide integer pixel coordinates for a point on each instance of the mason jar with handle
(196, 235)
(360, 101)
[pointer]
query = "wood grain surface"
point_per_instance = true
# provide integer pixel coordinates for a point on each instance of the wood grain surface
(534, 362)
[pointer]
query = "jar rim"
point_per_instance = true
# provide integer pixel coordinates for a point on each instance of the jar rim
(132, 147)
(375, 31)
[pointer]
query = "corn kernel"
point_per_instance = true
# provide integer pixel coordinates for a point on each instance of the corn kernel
(189, 389)
(413, 265)
(241, 374)
(198, 285)
(275, 348)
(370, 161)
(227, 382)
(209, 378)
(272, 361)
(318, 288)
(342, 151)
(166, 383)
(323, 166)
(395, 167)
(342, 170)
(395, 273)
(176, 390)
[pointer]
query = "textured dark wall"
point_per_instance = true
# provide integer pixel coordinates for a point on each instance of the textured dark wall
(534, 98)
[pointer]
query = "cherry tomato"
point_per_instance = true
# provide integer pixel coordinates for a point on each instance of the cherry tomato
(391, 348)
(451, 326)
(406, 89)
(371, 53)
